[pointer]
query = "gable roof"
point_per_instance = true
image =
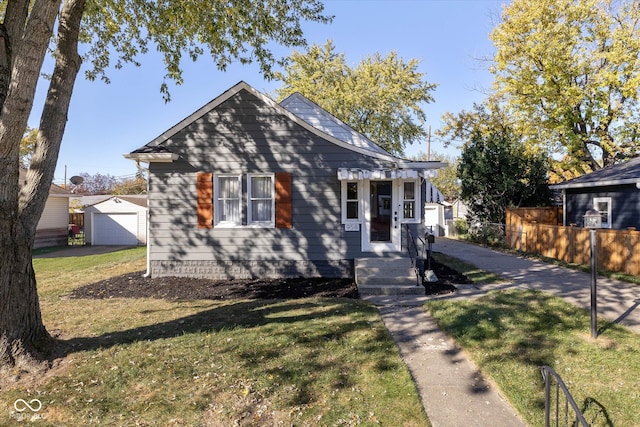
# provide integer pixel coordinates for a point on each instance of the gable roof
(137, 199)
(329, 128)
(619, 174)
(321, 119)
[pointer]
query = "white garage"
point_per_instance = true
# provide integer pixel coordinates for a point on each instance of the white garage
(119, 220)
(115, 229)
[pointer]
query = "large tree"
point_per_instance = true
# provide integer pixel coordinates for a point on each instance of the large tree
(115, 32)
(382, 97)
(570, 70)
(496, 172)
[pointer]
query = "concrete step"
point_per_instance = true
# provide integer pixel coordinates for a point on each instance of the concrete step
(386, 276)
(365, 290)
(383, 262)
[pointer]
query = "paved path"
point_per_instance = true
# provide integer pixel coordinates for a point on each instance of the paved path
(617, 301)
(453, 391)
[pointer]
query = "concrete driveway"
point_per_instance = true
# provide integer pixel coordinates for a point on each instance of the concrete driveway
(78, 251)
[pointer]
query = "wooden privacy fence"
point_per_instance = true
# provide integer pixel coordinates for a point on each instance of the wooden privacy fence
(77, 219)
(617, 250)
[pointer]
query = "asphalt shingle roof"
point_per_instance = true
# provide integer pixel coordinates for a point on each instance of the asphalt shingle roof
(622, 173)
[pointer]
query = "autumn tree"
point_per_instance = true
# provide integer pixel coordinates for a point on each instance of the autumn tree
(113, 33)
(137, 185)
(570, 71)
(381, 97)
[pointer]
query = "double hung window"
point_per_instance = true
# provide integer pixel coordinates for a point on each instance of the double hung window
(261, 200)
(603, 205)
(409, 200)
(230, 209)
(227, 196)
(351, 193)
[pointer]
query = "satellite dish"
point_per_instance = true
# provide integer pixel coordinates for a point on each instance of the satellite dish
(76, 180)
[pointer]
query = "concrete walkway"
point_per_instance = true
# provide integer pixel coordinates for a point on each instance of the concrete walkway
(453, 391)
(617, 301)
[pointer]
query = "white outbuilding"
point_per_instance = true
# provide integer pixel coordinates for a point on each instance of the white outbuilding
(117, 220)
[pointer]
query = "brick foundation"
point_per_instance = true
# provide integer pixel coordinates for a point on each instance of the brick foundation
(224, 270)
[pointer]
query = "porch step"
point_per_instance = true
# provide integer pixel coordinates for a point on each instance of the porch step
(386, 276)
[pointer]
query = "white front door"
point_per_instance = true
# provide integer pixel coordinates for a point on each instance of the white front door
(382, 231)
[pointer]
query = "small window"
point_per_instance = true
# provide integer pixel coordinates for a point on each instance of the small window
(409, 202)
(350, 201)
(228, 192)
(603, 205)
(261, 200)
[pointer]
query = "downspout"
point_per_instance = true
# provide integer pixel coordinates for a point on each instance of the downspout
(148, 272)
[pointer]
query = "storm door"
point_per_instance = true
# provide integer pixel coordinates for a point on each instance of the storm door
(381, 228)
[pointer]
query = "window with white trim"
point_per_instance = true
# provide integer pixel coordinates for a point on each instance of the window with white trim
(603, 205)
(351, 192)
(410, 201)
(227, 197)
(261, 200)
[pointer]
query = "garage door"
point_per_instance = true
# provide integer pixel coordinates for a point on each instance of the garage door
(115, 229)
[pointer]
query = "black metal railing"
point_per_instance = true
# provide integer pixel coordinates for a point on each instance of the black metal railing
(562, 406)
(417, 255)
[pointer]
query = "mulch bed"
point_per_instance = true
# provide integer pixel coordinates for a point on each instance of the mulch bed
(134, 285)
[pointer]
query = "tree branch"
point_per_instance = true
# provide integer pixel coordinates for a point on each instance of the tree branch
(54, 114)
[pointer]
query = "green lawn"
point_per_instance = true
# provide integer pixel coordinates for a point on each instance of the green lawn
(327, 362)
(510, 334)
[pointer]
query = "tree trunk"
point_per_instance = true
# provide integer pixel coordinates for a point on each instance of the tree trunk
(23, 336)
(22, 332)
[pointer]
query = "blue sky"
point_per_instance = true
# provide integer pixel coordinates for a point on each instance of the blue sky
(447, 36)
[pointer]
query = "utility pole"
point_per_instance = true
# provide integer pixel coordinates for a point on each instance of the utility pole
(429, 144)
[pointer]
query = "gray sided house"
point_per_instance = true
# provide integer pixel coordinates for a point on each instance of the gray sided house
(614, 191)
(246, 187)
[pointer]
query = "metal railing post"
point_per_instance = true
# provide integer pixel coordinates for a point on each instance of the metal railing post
(547, 374)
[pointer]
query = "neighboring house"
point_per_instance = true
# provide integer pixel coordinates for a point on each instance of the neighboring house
(613, 191)
(460, 209)
(53, 226)
(247, 187)
(115, 220)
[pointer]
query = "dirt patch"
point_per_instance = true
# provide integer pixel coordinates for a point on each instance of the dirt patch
(134, 285)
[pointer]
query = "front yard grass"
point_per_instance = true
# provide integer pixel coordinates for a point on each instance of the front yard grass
(510, 334)
(205, 363)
